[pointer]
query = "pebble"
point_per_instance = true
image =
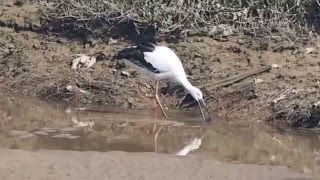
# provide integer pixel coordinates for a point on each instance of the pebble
(17, 133)
(49, 130)
(28, 135)
(125, 73)
(42, 133)
(68, 129)
(68, 136)
(258, 80)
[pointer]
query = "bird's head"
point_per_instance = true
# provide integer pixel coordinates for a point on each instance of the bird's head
(196, 93)
(198, 96)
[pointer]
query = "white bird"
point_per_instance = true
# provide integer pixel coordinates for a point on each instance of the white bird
(163, 63)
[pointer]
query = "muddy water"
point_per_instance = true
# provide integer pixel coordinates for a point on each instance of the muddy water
(31, 124)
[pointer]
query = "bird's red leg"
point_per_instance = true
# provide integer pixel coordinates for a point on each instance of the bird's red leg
(154, 108)
(157, 98)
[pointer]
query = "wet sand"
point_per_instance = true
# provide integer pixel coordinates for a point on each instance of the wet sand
(57, 164)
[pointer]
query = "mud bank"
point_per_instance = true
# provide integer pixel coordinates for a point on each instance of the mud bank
(38, 64)
(18, 164)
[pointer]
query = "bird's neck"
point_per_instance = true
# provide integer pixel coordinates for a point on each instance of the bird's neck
(186, 84)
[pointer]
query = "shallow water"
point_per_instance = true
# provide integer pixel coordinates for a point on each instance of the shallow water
(31, 124)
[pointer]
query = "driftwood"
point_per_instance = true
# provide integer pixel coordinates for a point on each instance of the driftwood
(225, 82)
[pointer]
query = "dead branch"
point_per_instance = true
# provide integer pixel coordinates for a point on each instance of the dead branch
(215, 84)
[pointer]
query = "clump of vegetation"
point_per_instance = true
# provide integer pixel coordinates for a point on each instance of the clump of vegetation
(181, 17)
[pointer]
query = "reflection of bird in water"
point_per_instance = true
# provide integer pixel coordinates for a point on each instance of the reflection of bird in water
(162, 63)
(194, 144)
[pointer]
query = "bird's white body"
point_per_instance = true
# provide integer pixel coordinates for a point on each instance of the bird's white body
(162, 63)
(169, 65)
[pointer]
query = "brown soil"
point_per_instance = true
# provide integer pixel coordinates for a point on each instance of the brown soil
(38, 64)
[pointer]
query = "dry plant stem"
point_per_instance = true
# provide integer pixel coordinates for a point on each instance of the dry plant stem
(234, 79)
(191, 16)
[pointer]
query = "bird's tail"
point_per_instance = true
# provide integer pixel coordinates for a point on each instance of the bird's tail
(143, 41)
(128, 53)
(142, 35)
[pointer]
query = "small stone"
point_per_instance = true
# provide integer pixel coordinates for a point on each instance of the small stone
(131, 101)
(8, 4)
(317, 104)
(295, 52)
(28, 135)
(42, 133)
(196, 55)
(272, 158)
(68, 110)
(112, 71)
(19, 2)
(68, 129)
(112, 41)
(17, 133)
(35, 46)
(198, 39)
(82, 91)
(258, 80)
(49, 130)
(147, 85)
(61, 136)
(241, 41)
(68, 136)
(61, 41)
(308, 50)
(87, 46)
(125, 73)
(11, 48)
(69, 88)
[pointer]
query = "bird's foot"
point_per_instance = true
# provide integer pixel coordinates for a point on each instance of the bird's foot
(165, 115)
(162, 109)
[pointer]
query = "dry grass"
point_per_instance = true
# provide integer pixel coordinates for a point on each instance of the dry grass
(274, 19)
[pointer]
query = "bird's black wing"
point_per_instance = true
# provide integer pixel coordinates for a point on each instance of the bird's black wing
(145, 42)
(135, 55)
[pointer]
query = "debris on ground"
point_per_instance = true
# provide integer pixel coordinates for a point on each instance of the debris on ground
(125, 73)
(67, 136)
(309, 50)
(82, 124)
(83, 60)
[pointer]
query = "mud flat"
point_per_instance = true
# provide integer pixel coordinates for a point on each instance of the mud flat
(38, 63)
(44, 164)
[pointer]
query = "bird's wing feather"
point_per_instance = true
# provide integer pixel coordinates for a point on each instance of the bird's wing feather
(135, 56)
(157, 59)
(164, 59)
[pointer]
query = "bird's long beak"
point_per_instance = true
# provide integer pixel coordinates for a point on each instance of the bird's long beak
(204, 110)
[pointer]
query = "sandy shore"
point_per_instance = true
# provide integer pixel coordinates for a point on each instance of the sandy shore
(56, 164)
